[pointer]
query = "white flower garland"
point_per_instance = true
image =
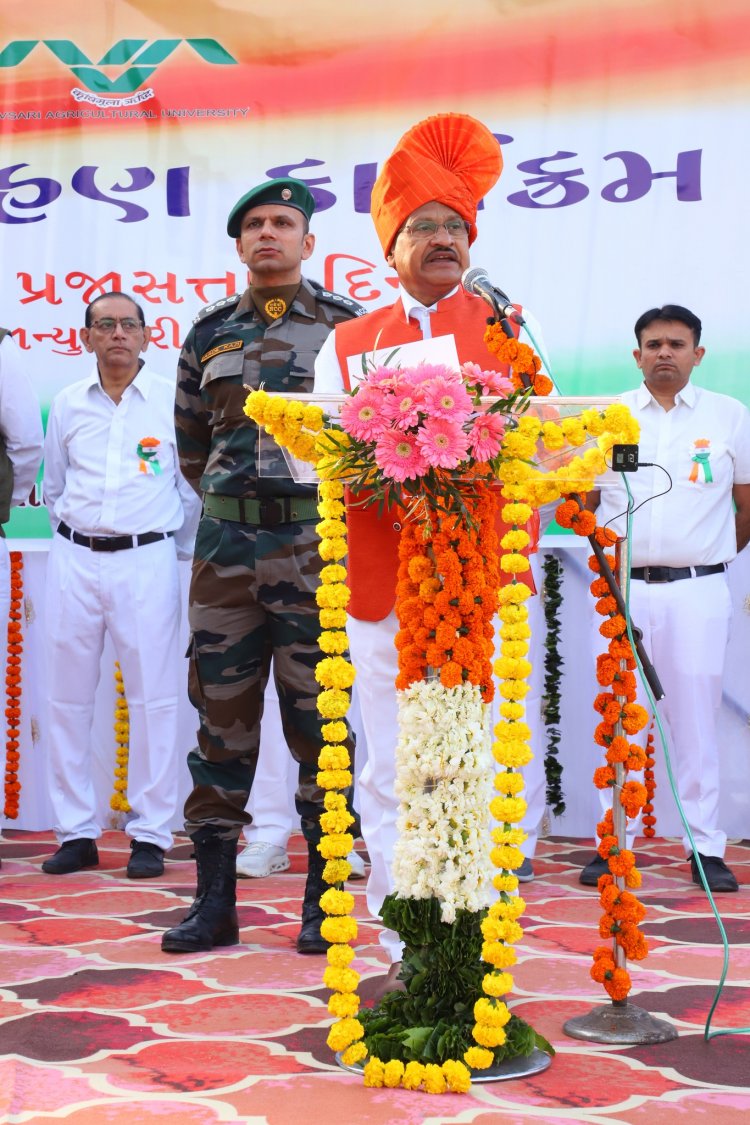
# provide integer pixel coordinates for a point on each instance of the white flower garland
(444, 785)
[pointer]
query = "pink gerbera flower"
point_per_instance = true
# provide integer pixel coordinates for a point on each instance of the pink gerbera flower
(443, 443)
(398, 455)
(362, 415)
(486, 435)
(447, 398)
(403, 405)
(487, 382)
(379, 375)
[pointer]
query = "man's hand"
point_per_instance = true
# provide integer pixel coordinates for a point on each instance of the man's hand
(741, 497)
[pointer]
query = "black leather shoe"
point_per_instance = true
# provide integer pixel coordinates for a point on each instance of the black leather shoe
(718, 875)
(72, 856)
(591, 872)
(212, 919)
(146, 860)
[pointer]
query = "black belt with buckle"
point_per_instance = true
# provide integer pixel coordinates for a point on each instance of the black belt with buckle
(112, 542)
(674, 573)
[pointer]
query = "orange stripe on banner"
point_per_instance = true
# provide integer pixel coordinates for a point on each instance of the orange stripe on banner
(564, 57)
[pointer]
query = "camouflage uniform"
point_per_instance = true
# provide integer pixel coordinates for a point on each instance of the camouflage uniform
(252, 592)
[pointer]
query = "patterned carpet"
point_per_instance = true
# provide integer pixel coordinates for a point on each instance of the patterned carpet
(98, 1027)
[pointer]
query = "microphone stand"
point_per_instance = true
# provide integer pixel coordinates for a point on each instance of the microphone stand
(504, 323)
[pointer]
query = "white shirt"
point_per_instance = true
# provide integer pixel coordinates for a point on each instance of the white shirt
(704, 443)
(98, 481)
(20, 420)
(328, 375)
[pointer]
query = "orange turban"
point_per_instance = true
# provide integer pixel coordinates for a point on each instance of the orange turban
(451, 158)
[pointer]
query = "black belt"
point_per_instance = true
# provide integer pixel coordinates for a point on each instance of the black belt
(675, 573)
(112, 542)
(264, 511)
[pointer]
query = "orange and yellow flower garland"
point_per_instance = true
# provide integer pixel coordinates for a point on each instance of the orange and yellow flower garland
(13, 688)
(335, 675)
(119, 799)
(299, 428)
(510, 749)
(614, 670)
(500, 928)
(520, 358)
(648, 819)
(445, 597)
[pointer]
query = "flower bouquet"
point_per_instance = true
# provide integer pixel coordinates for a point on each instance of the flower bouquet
(420, 436)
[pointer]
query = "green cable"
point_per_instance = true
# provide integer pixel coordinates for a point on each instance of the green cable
(540, 352)
(707, 1033)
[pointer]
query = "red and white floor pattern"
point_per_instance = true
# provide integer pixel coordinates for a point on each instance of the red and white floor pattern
(99, 1027)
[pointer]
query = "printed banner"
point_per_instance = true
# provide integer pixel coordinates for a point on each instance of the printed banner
(129, 131)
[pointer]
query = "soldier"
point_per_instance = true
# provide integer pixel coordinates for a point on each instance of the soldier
(256, 563)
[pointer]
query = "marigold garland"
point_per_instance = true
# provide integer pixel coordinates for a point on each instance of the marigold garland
(13, 688)
(119, 799)
(444, 601)
(335, 675)
(521, 359)
(618, 709)
(648, 818)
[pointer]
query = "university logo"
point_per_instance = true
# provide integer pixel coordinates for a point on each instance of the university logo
(139, 58)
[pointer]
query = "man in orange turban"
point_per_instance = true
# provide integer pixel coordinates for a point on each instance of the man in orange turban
(424, 207)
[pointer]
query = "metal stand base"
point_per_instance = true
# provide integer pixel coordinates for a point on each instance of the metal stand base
(622, 1023)
(520, 1067)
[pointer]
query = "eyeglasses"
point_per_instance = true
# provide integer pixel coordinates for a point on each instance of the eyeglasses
(427, 228)
(109, 323)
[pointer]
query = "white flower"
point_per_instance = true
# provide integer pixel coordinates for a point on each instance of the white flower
(444, 782)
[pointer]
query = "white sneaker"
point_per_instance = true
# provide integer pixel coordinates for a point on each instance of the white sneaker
(357, 865)
(259, 859)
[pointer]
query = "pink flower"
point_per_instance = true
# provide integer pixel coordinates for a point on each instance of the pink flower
(380, 375)
(402, 407)
(443, 443)
(447, 398)
(495, 383)
(362, 415)
(398, 455)
(487, 382)
(426, 372)
(485, 436)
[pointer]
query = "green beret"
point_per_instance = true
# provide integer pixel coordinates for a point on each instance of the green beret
(286, 191)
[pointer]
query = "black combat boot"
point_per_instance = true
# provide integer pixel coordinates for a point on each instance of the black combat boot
(212, 919)
(309, 939)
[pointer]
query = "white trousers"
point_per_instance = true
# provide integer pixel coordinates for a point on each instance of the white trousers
(685, 628)
(271, 803)
(134, 595)
(372, 645)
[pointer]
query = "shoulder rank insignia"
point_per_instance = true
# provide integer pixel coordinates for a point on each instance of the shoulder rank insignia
(224, 303)
(336, 299)
(230, 346)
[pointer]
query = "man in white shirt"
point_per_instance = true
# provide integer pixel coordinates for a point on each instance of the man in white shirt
(692, 515)
(122, 514)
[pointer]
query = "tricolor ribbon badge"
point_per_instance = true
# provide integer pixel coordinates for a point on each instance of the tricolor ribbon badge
(701, 461)
(148, 453)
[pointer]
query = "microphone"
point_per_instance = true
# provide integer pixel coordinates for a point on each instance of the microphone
(476, 281)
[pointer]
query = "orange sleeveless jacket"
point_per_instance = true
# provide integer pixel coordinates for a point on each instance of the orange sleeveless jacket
(373, 540)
